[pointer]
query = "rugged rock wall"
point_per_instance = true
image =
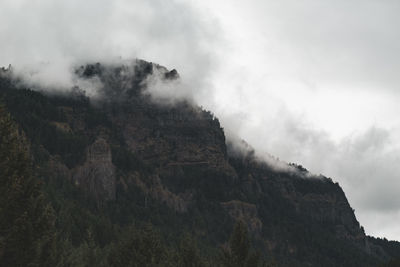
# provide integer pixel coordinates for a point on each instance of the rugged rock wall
(177, 156)
(97, 174)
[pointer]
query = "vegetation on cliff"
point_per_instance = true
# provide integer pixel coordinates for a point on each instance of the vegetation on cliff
(127, 182)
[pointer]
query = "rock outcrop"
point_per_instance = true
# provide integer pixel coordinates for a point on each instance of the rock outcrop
(176, 157)
(97, 174)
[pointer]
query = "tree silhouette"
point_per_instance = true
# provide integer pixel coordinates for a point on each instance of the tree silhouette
(27, 235)
(188, 255)
(239, 253)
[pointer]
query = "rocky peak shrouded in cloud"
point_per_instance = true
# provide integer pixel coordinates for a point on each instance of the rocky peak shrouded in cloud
(139, 160)
(114, 81)
(304, 81)
(59, 35)
(126, 80)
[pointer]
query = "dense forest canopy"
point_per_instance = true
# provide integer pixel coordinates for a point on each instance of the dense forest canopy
(128, 182)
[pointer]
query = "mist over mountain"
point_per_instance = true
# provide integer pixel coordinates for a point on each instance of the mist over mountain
(131, 172)
(294, 79)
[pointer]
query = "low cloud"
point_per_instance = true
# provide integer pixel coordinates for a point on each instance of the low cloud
(45, 40)
(164, 90)
(314, 83)
(365, 163)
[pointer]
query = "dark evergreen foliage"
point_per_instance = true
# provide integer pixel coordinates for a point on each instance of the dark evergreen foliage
(239, 253)
(27, 233)
(46, 220)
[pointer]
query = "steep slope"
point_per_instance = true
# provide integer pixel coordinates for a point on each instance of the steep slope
(135, 160)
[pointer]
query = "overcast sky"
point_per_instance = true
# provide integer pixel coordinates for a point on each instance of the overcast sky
(311, 82)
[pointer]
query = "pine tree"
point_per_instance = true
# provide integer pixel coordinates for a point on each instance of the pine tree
(239, 253)
(188, 254)
(27, 236)
(139, 247)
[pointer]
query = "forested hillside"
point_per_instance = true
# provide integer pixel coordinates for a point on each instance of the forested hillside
(123, 181)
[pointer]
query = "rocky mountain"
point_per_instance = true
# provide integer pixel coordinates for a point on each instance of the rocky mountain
(126, 159)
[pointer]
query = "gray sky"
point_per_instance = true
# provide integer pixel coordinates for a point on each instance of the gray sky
(311, 82)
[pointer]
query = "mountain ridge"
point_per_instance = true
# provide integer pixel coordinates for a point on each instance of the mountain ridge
(126, 148)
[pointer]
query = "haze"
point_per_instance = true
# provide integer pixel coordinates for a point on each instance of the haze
(311, 82)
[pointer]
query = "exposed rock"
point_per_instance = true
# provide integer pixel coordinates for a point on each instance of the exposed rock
(180, 203)
(97, 175)
(62, 126)
(181, 160)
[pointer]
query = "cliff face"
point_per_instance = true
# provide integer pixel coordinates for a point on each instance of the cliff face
(97, 174)
(127, 146)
